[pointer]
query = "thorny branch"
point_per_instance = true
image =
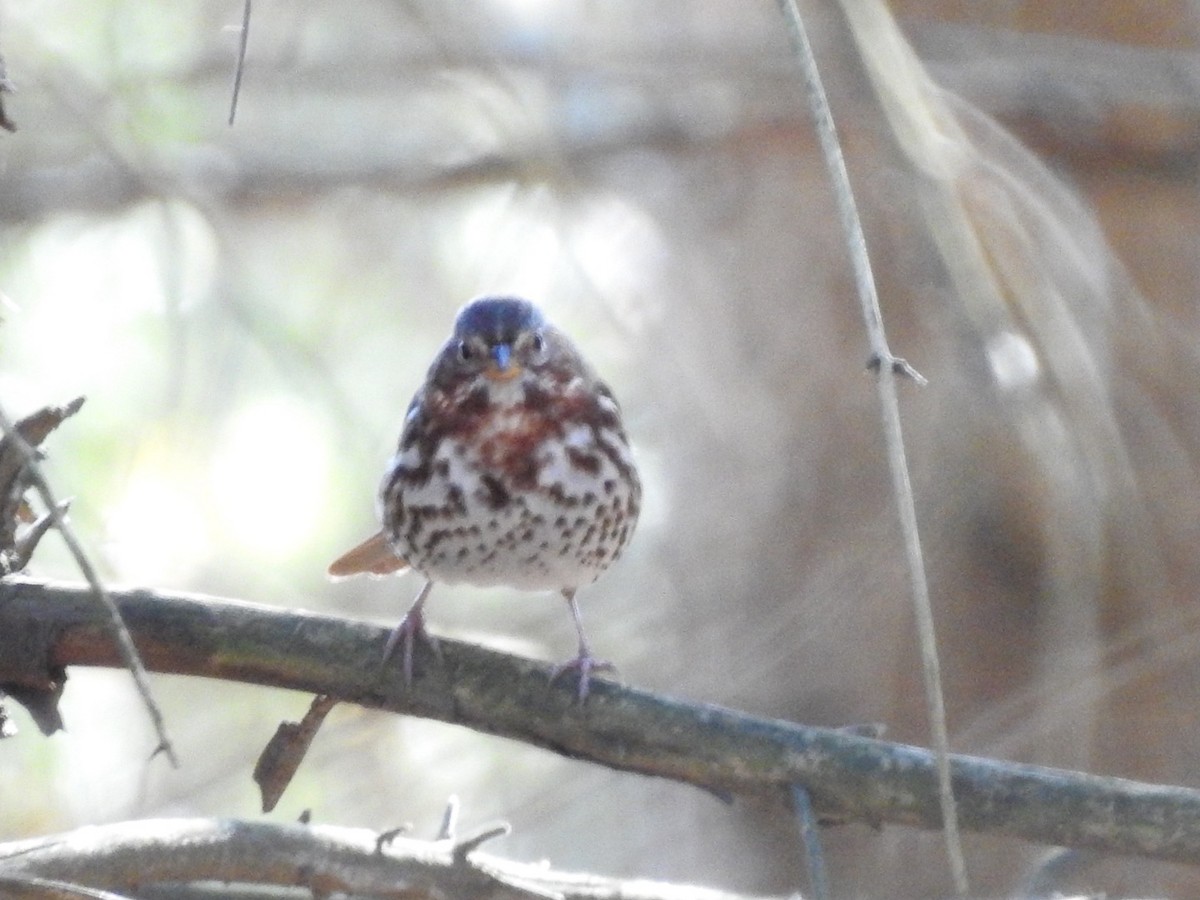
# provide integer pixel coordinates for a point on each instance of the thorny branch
(324, 859)
(848, 777)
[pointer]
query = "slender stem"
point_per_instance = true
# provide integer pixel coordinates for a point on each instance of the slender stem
(888, 366)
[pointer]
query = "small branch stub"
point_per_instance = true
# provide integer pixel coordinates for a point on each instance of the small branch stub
(449, 827)
(468, 845)
(286, 750)
(899, 366)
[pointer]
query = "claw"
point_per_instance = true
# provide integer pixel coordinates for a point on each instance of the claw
(585, 664)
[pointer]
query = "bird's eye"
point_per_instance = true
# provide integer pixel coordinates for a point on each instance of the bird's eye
(539, 342)
(465, 351)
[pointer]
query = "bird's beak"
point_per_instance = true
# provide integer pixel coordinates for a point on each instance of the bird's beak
(502, 368)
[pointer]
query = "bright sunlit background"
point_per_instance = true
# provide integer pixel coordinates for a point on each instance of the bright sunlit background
(249, 310)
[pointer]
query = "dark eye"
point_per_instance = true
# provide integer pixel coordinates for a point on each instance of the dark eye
(465, 351)
(539, 342)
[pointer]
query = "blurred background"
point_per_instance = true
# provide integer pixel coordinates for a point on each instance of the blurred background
(249, 309)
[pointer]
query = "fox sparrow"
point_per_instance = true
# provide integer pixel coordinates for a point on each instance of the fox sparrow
(513, 469)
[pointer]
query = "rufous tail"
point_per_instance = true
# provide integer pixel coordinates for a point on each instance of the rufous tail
(374, 556)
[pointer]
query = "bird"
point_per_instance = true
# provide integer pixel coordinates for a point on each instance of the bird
(513, 469)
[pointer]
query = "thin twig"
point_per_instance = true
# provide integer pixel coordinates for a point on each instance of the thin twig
(129, 654)
(810, 835)
(241, 62)
(888, 365)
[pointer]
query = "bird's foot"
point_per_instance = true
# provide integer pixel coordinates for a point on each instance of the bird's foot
(585, 664)
(402, 638)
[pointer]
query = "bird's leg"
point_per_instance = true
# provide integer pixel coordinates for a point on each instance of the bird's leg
(584, 663)
(411, 626)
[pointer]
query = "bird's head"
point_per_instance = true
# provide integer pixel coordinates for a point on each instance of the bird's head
(498, 339)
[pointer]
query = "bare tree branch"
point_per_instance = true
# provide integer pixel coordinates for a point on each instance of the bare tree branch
(321, 858)
(45, 625)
